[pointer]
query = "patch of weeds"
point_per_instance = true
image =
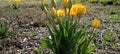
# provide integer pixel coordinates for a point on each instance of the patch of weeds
(32, 34)
(104, 2)
(110, 38)
(41, 49)
(117, 29)
(113, 18)
(113, 15)
(93, 1)
(104, 25)
(84, 23)
(110, 2)
(42, 5)
(112, 12)
(15, 6)
(3, 27)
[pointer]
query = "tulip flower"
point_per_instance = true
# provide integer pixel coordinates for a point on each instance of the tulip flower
(95, 23)
(60, 13)
(77, 9)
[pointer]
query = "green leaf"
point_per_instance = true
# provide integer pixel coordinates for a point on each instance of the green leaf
(51, 33)
(91, 49)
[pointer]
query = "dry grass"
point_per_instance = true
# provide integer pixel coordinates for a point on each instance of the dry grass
(29, 11)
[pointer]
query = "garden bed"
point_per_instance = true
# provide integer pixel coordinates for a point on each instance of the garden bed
(28, 25)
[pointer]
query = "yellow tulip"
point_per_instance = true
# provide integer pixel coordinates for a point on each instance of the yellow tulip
(77, 9)
(95, 23)
(81, 9)
(73, 10)
(53, 12)
(60, 12)
(14, 1)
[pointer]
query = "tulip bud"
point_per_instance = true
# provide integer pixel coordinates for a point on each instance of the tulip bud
(53, 12)
(69, 4)
(53, 3)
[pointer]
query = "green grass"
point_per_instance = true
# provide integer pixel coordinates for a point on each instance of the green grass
(112, 11)
(3, 26)
(117, 29)
(112, 15)
(104, 2)
(113, 18)
(104, 25)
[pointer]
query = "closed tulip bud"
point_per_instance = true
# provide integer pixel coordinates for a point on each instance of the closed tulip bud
(53, 12)
(69, 4)
(53, 3)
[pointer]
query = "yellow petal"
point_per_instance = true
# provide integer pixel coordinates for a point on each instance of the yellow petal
(60, 12)
(95, 23)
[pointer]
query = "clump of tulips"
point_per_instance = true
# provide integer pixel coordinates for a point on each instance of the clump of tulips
(66, 38)
(15, 4)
